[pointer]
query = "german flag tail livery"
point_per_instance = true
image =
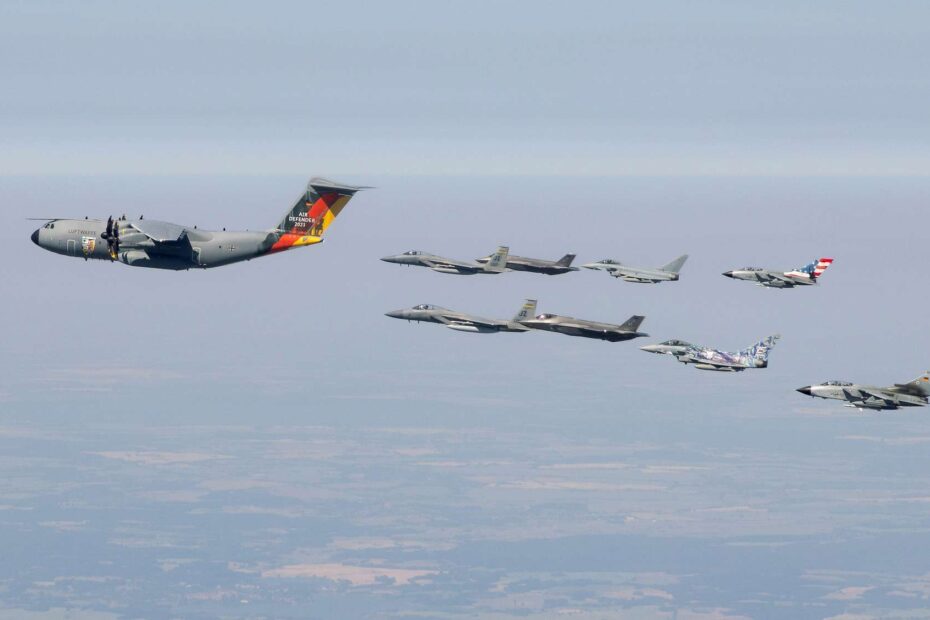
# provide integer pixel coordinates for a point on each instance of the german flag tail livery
(312, 213)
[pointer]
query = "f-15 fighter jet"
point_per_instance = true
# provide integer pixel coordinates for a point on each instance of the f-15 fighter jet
(912, 394)
(587, 329)
(537, 265)
(496, 264)
(703, 358)
(162, 245)
(462, 322)
(802, 276)
(648, 275)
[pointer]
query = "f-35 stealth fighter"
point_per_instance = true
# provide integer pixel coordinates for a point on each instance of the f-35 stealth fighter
(537, 265)
(496, 264)
(911, 394)
(666, 273)
(703, 358)
(462, 322)
(162, 245)
(802, 276)
(587, 329)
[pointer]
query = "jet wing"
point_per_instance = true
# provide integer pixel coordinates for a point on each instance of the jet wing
(448, 264)
(160, 232)
(868, 397)
(470, 320)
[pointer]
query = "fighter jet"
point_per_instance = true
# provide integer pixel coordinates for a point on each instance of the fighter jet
(912, 394)
(646, 275)
(802, 276)
(537, 265)
(162, 245)
(496, 264)
(587, 329)
(461, 322)
(703, 358)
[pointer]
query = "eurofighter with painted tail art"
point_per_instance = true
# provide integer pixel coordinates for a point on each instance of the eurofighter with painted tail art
(647, 275)
(587, 329)
(496, 264)
(462, 322)
(911, 394)
(163, 245)
(536, 265)
(802, 276)
(704, 358)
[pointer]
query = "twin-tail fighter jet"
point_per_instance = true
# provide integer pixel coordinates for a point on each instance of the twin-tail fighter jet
(802, 276)
(911, 394)
(497, 262)
(163, 245)
(537, 265)
(703, 358)
(462, 322)
(586, 329)
(646, 275)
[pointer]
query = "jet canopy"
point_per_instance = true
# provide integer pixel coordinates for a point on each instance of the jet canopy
(423, 307)
(609, 261)
(751, 269)
(838, 383)
(676, 343)
(545, 316)
(412, 253)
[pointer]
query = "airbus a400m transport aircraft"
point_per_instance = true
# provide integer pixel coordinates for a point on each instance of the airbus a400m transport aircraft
(703, 358)
(912, 394)
(462, 322)
(163, 245)
(802, 276)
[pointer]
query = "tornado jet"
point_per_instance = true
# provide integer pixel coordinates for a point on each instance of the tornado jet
(645, 275)
(802, 276)
(497, 263)
(462, 322)
(587, 329)
(705, 358)
(536, 265)
(911, 394)
(163, 245)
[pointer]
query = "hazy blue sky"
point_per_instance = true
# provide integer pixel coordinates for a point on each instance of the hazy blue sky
(237, 421)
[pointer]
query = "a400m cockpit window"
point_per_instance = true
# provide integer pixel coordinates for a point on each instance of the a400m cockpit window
(412, 253)
(49, 225)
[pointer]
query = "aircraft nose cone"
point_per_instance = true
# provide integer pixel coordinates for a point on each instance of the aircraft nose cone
(649, 348)
(35, 237)
(395, 314)
(728, 274)
(805, 390)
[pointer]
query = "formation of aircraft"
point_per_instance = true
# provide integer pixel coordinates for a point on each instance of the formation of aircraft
(706, 358)
(803, 276)
(462, 322)
(647, 275)
(536, 265)
(163, 245)
(911, 394)
(496, 263)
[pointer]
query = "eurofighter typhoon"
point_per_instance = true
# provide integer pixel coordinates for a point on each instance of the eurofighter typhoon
(647, 275)
(496, 264)
(462, 322)
(536, 265)
(704, 358)
(587, 329)
(163, 245)
(912, 394)
(803, 276)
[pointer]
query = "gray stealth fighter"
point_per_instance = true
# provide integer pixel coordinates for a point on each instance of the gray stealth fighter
(912, 394)
(163, 245)
(587, 329)
(462, 322)
(496, 264)
(537, 265)
(666, 273)
(703, 358)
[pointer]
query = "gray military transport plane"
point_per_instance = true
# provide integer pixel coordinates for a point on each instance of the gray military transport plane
(802, 276)
(462, 322)
(586, 329)
(163, 245)
(704, 358)
(912, 394)
(496, 264)
(536, 265)
(647, 275)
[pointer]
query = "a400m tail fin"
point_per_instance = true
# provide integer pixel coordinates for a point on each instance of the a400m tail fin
(313, 212)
